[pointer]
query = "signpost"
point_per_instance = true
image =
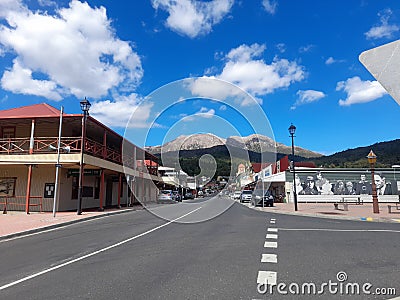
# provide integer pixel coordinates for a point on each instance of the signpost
(383, 63)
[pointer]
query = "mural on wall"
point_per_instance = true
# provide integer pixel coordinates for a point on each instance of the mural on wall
(7, 186)
(318, 184)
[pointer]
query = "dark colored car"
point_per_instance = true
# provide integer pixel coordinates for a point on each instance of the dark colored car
(189, 196)
(257, 198)
(177, 196)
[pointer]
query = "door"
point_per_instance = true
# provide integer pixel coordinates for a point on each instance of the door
(109, 187)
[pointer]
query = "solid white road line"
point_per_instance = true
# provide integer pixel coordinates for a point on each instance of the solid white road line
(269, 258)
(94, 253)
(272, 229)
(339, 230)
(266, 277)
(271, 236)
(271, 245)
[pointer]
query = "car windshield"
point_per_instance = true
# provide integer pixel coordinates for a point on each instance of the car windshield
(165, 192)
(247, 192)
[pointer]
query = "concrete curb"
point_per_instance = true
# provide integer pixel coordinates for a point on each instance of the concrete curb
(62, 224)
(334, 217)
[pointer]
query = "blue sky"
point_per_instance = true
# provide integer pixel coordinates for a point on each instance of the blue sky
(298, 60)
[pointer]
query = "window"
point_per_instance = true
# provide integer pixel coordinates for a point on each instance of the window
(75, 187)
(49, 190)
(97, 188)
(7, 186)
(8, 132)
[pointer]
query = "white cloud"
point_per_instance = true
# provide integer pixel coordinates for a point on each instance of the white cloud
(244, 68)
(74, 50)
(384, 29)
(193, 18)
(204, 112)
(207, 87)
(117, 113)
(305, 49)
(19, 80)
(307, 96)
(270, 6)
(331, 61)
(359, 91)
(256, 76)
(281, 47)
(47, 3)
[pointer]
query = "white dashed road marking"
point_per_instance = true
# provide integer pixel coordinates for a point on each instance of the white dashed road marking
(272, 229)
(266, 277)
(271, 236)
(269, 258)
(272, 221)
(271, 245)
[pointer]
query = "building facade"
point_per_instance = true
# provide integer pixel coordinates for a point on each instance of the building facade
(28, 156)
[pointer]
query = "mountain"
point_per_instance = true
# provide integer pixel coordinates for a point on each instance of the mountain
(255, 143)
(234, 150)
(191, 142)
(260, 143)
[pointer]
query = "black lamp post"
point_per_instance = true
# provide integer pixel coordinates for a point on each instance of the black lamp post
(372, 160)
(85, 105)
(292, 130)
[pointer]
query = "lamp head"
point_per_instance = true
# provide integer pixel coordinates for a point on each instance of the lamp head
(85, 105)
(292, 129)
(371, 157)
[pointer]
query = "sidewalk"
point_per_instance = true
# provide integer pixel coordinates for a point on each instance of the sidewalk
(16, 223)
(326, 210)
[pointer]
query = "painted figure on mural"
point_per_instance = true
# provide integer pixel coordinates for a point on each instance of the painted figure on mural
(299, 186)
(363, 187)
(310, 188)
(382, 187)
(323, 185)
(350, 190)
(339, 188)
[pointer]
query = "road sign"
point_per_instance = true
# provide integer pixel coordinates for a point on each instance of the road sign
(383, 63)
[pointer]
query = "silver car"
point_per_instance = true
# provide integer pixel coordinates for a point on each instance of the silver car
(166, 196)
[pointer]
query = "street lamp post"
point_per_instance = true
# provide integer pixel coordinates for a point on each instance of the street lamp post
(85, 105)
(292, 130)
(372, 160)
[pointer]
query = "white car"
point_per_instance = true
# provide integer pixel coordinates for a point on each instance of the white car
(246, 196)
(236, 195)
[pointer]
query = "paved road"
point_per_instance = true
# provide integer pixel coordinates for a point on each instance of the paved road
(139, 255)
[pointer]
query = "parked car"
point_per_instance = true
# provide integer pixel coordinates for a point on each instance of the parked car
(200, 194)
(246, 196)
(236, 195)
(165, 196)
(177, 196)
(258, 198)
(189, 195)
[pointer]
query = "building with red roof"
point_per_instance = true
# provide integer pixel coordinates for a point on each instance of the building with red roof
(28, 157)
